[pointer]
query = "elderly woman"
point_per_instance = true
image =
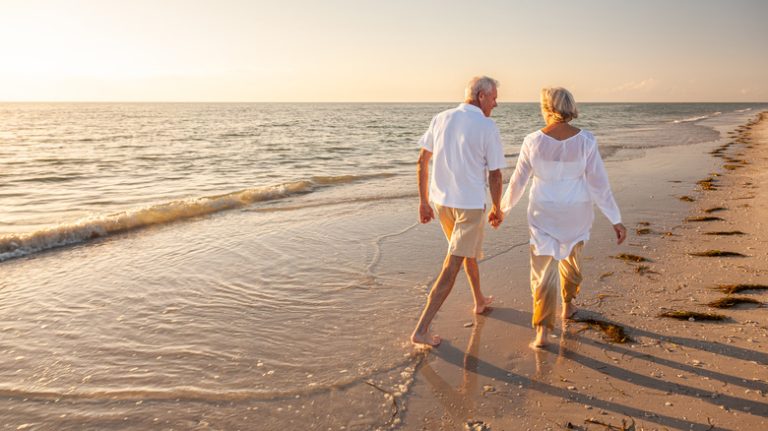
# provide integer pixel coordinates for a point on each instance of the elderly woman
(568, 178)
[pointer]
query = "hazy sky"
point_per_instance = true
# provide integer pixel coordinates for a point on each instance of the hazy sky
(384, 50)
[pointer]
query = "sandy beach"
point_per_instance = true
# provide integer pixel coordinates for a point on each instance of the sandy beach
(289, 306)
(211, 215)
(666, 373)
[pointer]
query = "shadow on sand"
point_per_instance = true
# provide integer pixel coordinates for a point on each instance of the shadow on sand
(459, 402)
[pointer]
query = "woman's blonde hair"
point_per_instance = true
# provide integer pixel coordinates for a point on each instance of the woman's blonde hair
(558, 103)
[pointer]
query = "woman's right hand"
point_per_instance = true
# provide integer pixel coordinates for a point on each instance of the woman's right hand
(621, 232)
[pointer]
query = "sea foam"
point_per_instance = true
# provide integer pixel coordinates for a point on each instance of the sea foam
(699, 118)
(89, 228)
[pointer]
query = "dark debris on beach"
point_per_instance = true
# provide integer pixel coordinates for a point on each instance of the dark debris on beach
(631, 258)
(644, 269)
(624, 425)
(731, 301)
(611, 331)
(472, 425)
(703, 218)
(707, 184)
(717, 253)
(725, 233)
(688, 315)
(737, 288)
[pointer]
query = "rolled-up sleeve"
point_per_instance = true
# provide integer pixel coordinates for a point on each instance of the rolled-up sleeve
(427, 140)
(494, 151)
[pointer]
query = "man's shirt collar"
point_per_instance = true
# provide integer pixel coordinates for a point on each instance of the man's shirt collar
(470, 107)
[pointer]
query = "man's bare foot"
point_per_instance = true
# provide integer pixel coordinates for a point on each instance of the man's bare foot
(425, 339)
(542, 332)
(569, 310)
(484, 306)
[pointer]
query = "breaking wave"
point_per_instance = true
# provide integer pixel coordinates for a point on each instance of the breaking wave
(86, 229)
(694, 119)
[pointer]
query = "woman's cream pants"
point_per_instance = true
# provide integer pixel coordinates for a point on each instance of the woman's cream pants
(545, 272)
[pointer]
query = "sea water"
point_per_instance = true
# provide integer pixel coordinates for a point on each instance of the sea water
(235, 266)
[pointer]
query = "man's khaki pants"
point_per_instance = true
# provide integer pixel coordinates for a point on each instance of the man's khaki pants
(544, 281)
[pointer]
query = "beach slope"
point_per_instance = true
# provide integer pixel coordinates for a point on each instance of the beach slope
(699, 241)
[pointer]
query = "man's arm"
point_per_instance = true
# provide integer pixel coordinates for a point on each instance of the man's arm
(425, 210)
(495, 217)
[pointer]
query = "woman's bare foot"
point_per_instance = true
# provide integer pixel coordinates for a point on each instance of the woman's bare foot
(484, 306)
(425, 339)
(569, 310)
(542, 332)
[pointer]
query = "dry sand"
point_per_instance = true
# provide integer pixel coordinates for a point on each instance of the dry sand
(670, 374)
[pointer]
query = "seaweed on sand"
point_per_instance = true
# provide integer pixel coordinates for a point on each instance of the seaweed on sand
(725, 233)
(707, 184)
(611, 331)
(730, 301)
(605, 275)
(736, 288)
(732, 167)
(687, 199)
(704, 218)
(644, 269)
(643, 231)
(687, 315)
(717, 253)
(473, 425)
(714, 209)
(631, 258)
(609, 427)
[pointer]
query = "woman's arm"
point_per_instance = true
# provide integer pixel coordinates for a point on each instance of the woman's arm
(518, 181)
(600, 191)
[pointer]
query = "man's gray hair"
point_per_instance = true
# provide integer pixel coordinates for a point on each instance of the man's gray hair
(477, 85)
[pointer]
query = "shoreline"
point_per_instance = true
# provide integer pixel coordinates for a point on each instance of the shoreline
(672, 374)
(371, 269)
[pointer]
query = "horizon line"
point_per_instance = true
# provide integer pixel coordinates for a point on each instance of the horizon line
(348, 102)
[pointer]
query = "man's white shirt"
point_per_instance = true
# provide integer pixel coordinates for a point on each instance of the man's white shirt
(465, 145)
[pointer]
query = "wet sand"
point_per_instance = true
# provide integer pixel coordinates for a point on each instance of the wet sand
(670, 374)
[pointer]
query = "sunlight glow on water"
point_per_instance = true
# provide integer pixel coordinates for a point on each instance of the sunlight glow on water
(213, 290)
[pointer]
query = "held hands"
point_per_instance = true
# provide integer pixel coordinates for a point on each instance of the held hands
(621, 232)
(426, 214)
(495, 217)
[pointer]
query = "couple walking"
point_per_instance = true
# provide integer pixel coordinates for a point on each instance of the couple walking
(568, 179)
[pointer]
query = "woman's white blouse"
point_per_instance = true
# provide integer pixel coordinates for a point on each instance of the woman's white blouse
(568, 178)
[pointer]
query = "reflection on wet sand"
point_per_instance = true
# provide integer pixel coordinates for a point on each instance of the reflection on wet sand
(568, 340)
(459, 402)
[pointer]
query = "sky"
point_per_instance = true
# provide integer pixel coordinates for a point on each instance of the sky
(382, 51)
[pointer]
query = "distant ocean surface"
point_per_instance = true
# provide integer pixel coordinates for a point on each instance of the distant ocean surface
(254, 256)
(71, 172)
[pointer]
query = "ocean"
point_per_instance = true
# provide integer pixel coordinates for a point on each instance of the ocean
(235, 266)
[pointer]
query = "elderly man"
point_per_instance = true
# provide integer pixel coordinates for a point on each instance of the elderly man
(465, 144)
